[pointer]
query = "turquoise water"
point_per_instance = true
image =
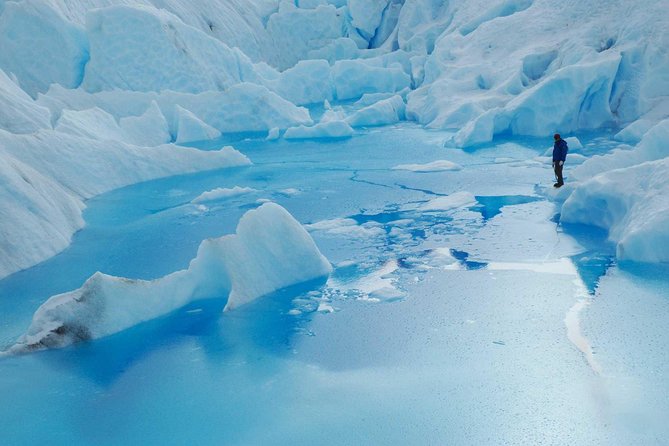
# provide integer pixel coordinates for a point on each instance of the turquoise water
(435, 327)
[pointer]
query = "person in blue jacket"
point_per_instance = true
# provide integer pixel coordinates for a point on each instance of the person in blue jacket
(560, 150)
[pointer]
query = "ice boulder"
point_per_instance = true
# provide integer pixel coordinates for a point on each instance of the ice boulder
(297, 31)
(434, 166)
(18, 112)
(146, 49)
(93, 123)
(383, 112)
(329, 129)
(353, 78)
(40, 47)
(221, 193)
(269, 251)
(308, 82)
(150, 129)
(191, 128)
(633, 133)
(449, 202)
(632, 205)
(653, 146)
(243, 107)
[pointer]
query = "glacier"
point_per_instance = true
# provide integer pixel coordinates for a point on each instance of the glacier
(410, 138)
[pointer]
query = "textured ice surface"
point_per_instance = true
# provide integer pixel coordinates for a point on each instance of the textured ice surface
(632, 205)
(455, 317)
(18, 113)
(47, 175)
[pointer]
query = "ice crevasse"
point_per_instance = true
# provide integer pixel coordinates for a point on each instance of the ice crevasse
(269, 251)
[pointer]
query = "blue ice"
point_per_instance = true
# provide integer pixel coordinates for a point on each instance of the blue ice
(434, 328)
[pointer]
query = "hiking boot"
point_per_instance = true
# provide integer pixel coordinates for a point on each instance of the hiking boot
(556, 185)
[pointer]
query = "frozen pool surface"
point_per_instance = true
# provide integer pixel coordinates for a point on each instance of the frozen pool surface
(484, 322)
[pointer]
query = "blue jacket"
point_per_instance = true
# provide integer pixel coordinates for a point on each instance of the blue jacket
(560, 150)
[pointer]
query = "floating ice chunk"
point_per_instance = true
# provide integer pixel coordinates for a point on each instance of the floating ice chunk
(330, 129)
(269, 251)
(191, 128)
(18, 112)
(376, 286)
(633, 133)
(273, 134)
(289, 192)
(346, 227)
(383, 112)
(149, 129)
(434, 166)
(449, 202)
(221, 193)
(40, 46)
(632, 205)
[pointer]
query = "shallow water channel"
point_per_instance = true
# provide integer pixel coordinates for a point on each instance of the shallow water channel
(484, 323)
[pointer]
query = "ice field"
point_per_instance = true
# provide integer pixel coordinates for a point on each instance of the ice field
(287, 222)
(444, 319)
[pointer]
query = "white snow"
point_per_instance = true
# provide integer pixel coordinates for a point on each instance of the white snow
(222, 193)
(149, 129)
(329, 129)
(18, 112)
(449, 202)
(632, 205)
(383, 112)
(434, 166)
(191, 128)
(269, 251)
(345, 227)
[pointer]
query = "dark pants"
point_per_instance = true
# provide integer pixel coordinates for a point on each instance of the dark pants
(558, 172)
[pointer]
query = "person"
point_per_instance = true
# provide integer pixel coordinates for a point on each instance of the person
(559, 157)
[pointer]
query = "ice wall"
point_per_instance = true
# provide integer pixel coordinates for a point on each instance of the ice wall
(525, 67)
(46, 177)
(632, 205)
(625, 193)
(269, 251)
